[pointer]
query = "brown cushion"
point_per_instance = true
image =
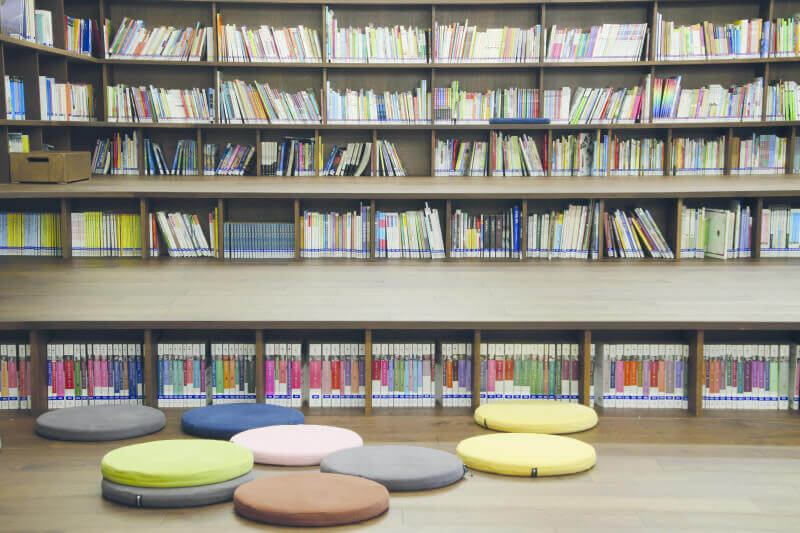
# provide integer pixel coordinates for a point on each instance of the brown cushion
(311, 499)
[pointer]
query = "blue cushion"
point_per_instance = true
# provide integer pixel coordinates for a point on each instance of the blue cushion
(225, 421)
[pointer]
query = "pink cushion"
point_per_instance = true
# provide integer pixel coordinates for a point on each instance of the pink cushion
(296, 445)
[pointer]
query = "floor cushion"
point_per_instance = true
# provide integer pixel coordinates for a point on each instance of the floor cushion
(526, 454)
(176, 463)
(398, 468)
(173, 496)
(296, 445)
(311, 499)
(94, 423)
(226, 420)
(536, 416)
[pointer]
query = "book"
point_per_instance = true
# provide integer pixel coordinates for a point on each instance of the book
(452, 105)
(404, 375)
(572, 233)
(19, 142)
(673, 103)
(781, 37)
(81, 374)
(579, 155)
(15, 97)
(232, 374)
(15, 377)
(182, 371)
(492, 236)
(99, 234)
(700, 156)
(409, 234)
(154, 104)
(374, 44)
(337, 235)
(716, 233)
(244, 103)
(117, 155)
(636, 157)
(183, 234)
(133, 40)
(742, 39)
(387, 160)
(760, 154)
(283, 375)
(608, 42)
(367, 106)
(634, 234)
(462, 43)
(294, 156)
(780, 231)
(352, 159)
(258, 240)
(16, 19)
(183, 164)
(337, 374)
(267, 44)
(79, 35)
(32, 234)
(43, 21)
(65, 101)
(235, 160)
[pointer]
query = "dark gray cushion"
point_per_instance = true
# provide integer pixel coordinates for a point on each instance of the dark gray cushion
(173, 497)
(100, 422)
(398, 468)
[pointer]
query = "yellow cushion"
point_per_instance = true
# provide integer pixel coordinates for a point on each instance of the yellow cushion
(536, 416)
(176, 463)
(526, 454)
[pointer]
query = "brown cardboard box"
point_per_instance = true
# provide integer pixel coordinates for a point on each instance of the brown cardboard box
(50, 167)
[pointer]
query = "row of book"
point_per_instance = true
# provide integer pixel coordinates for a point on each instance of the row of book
(608, 42)
(133, 40)
(153, 104)
(384, 44)
(336, 375)
(21, 20)
(258, 240)
(15, 376)
(704, 157)
(80, 35)
(15, 97)
(503, 155)
(94, 374)
(98, 234)
(409, 234)
(333, 234)
(780, 231)
(629, 235)
(36, 234)
(783, 101)
(366, 106)
(65, 101)
(462, 43)
(283, 374)
(486, 235)
(19, 142)
(233, 373)
(635, 157)
(672, 103)
(183, 164)
(267, 44)
(404, 375)
(579, 155)
(454, 105)
(716, 233)
(244, 103)
(569, 234)
(184, 235)
(760, 154)
(352, 159)
(117, 155)
(182, 375)
(294, 156)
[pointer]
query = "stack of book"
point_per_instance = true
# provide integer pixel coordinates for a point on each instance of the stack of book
(409, 235)
(152, 104)
(462, 43)
(181, 375)
(404, 375)
(184, 235)
(387, 162)
(339, 235)
(783, 101)
(36, 234)
(705, 157)
(747, 376)
(629, 235)
(183, 164)
(760, 154)
(367, 106)
(15, 98)
(258, 240)
(65, 101)
(98, 234)
(579, 155)
(486, 236)
(283, 374)
(19, 142)
(78, 37)
(352, 159)
(716, 233)
(609, 105)
(780, 231)
(636, 157)
(337, 375)
(609, 42)
(529, 371)
(739, 40)
(570, 234)
(671, 103)
(117, 155)
(451, 105)
(784, 37)
(234, 161)
(15, 376)
(292, 157)
(382, 44)
(267, 44)
(233, 373)
(257, 103)
(94, 374)
(134, 41)
(650, 376)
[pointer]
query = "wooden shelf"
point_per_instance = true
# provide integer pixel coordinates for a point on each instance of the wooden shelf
(423, 188)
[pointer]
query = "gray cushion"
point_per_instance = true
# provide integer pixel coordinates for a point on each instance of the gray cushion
(100, 422)
(173, 497)
(398, 468)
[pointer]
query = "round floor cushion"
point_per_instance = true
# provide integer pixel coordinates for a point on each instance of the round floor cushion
(226, 420)
(173, 496)
(311, 499)
(398, 468)
(296, 445)
(526, 454)
(536, 416)
(94, 423)
(176, 463)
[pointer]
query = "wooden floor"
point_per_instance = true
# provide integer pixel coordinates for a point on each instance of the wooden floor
(319, 294)
(661, 472)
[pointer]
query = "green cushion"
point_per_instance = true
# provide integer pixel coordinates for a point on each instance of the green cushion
(176, 463)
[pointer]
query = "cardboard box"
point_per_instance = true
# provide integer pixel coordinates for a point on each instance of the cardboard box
(50, 167)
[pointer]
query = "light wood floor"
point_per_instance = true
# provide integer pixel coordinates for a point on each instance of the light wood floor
(668, 472)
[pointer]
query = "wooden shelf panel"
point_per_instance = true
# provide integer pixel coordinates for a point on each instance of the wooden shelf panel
(108, 294)
(412, 187)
